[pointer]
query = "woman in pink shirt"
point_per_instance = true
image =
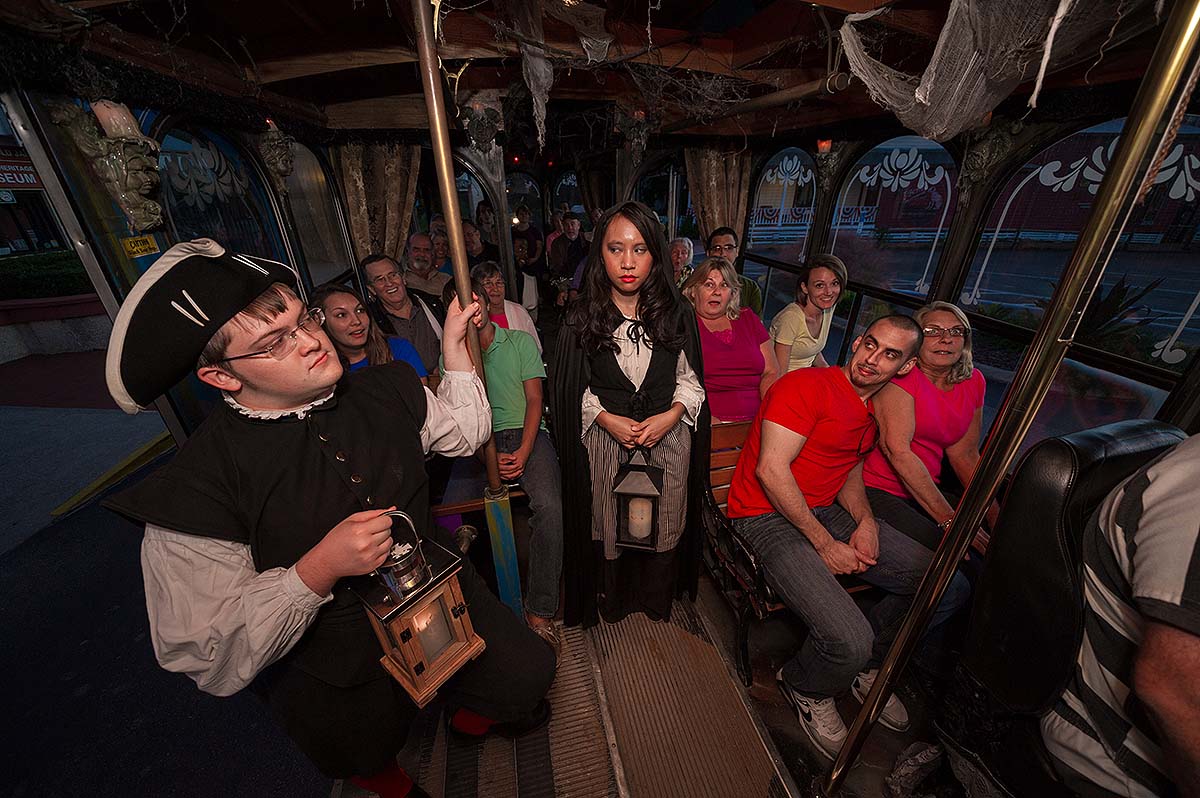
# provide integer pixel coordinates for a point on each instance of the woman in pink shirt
(739, 361)
(933, 411)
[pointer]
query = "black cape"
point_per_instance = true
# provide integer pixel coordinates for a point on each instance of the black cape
(570, 377)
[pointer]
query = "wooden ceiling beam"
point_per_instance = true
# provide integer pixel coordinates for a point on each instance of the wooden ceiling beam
(192, 68)
(398, 112)
(301, 66)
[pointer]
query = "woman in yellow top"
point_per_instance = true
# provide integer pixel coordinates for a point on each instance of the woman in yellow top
(801, 329)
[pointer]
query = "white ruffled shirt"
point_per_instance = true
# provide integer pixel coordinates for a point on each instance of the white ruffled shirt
(220, 621)
(634, 360)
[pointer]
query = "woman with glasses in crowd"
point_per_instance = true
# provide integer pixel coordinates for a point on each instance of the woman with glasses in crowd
(801, 329)
(358, 342)
(934, 411)
(504, 312)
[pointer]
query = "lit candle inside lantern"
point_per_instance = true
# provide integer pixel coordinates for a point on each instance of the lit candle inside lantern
(433, 630)
(116, 120)
(641, 515)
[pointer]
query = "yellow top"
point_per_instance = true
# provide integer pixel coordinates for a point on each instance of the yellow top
(790, 327)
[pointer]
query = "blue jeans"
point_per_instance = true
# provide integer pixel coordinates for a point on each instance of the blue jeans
(541, 483)
(841, 640)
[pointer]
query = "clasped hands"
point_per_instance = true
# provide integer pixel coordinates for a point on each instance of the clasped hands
(630, 433)
(854, 557)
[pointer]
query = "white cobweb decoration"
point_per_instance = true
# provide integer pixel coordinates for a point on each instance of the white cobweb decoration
(985, 50)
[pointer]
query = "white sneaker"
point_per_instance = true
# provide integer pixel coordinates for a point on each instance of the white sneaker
(894, 715)
(818, 717)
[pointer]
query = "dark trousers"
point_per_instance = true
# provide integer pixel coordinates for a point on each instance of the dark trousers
(357, 731)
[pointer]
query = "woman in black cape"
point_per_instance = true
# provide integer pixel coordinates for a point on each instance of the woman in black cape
(629, 319)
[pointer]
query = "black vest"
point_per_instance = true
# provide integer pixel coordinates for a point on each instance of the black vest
(281, 485)
(616, 392)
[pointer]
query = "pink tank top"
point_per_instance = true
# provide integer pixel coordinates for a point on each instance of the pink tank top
(942, 417)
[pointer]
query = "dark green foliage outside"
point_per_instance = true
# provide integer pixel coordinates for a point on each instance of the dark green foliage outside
(44, 274)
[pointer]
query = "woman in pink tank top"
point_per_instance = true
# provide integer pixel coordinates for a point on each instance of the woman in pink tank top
(933, 411)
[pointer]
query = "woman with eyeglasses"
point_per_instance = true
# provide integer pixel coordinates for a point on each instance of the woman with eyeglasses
(801, 329)
(934, 411)
(358, 342)
(504, 312)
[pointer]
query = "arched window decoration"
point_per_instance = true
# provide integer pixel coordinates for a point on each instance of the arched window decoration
(1147, 306)
(782, 215)
(314, 210)
(470, 193)
(893, 214)
(212, 191)
(522, 189)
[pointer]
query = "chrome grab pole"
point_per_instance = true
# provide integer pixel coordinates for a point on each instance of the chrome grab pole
(439, 132)
(1162, 97)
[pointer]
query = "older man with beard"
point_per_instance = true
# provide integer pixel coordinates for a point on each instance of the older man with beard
(421, 276)
(798, 497)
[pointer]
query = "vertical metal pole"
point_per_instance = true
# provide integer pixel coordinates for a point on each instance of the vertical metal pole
(439, 131)
(1164, 92)
(499, 514)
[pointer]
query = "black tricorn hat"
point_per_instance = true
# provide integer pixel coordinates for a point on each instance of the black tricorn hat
(173, 311)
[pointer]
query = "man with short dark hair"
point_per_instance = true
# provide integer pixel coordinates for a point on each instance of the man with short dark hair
(281, 495)
(1128, 722)
(798, 497)
(723, 243)
(568, 249)
(400, 313)
(477, 249)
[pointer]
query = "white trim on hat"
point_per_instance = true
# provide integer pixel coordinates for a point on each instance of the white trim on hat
(116, 341)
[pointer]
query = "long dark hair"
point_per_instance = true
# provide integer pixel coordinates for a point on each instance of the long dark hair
(593, 314)
(378, 351)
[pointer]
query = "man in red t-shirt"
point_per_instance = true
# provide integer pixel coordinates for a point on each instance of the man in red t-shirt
(798, 497)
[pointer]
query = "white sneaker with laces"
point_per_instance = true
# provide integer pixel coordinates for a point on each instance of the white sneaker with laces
(818, 717)
(894, 715)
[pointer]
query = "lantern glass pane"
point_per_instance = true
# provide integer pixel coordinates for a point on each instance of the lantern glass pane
(434, 630)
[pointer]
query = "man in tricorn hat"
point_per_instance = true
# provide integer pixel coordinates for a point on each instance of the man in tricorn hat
(281, 493)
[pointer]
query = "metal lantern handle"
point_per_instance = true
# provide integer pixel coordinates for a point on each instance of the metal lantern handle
(408, 520)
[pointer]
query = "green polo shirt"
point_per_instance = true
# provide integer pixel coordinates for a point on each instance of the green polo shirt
(510, 360)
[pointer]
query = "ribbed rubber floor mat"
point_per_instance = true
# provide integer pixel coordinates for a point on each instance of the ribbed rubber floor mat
(583, 766)
(681, 727)
(570, 756)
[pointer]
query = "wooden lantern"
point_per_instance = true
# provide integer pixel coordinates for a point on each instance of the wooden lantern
(415, 606)
(638, 488)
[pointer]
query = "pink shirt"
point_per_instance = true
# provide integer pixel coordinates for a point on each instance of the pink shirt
(942, 418)
(733, 366)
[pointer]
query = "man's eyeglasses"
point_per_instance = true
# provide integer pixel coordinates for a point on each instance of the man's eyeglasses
(869, 439)
(287, 342)
(938, 332)
(724, 247)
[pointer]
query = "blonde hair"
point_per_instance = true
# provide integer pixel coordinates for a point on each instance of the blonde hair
(730, 275)
(961, 371)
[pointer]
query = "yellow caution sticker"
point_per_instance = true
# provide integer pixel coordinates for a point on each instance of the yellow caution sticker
(138, 246)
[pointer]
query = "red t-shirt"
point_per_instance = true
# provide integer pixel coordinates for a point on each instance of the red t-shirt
(500, 318)
(821, 405)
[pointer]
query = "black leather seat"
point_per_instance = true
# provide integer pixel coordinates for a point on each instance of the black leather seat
(1027, 620)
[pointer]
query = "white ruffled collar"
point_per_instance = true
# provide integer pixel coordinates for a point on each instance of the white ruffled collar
(298, 412)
